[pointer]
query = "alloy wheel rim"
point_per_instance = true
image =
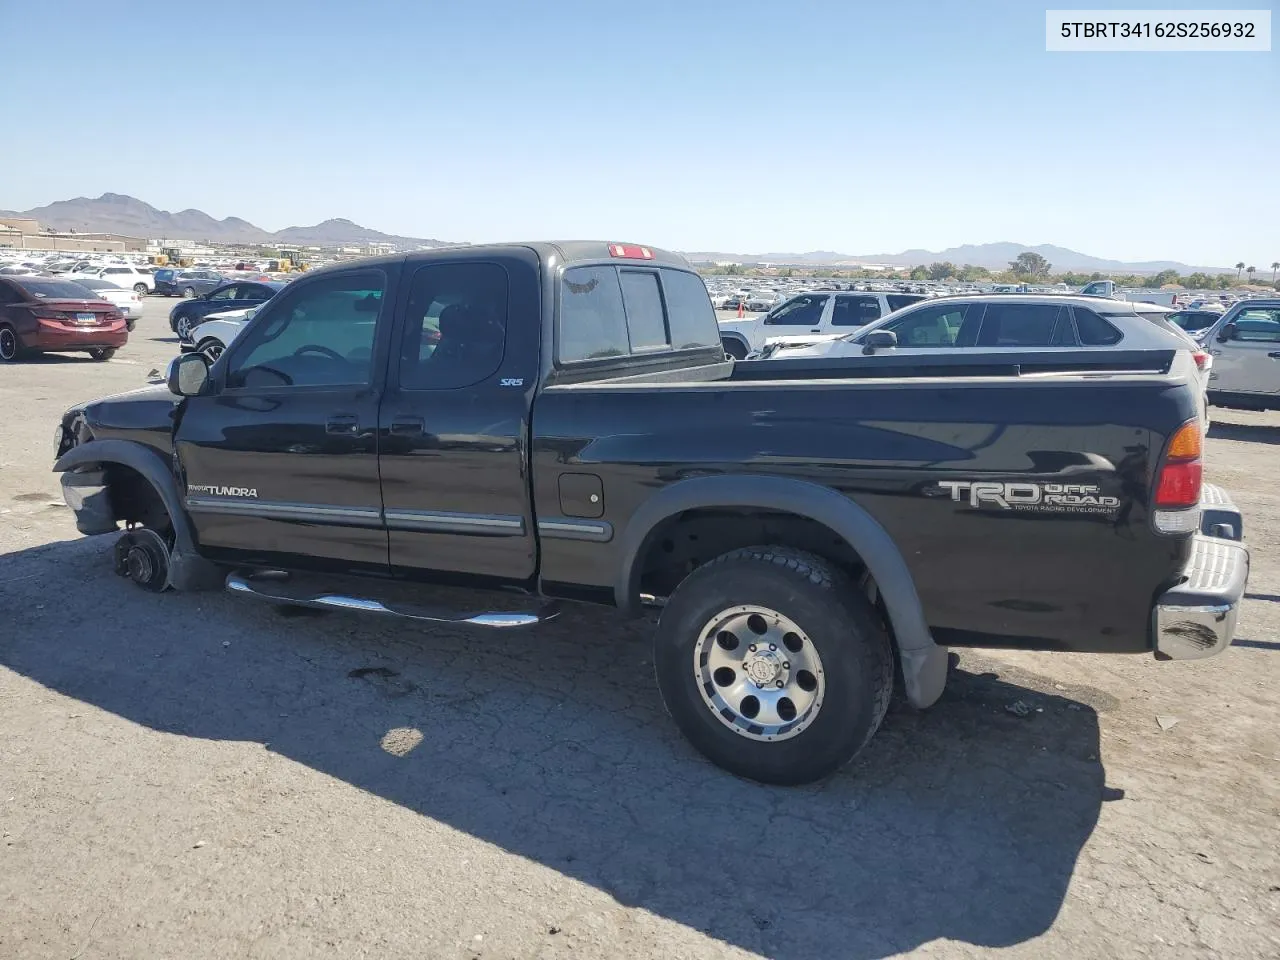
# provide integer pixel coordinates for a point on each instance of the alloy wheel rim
(758, 673)
(8, 344)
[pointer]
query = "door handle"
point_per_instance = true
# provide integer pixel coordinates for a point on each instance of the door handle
(408, 426)
(345, 425)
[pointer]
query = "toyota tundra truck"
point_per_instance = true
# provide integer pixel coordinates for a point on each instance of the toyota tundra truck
(558, 422)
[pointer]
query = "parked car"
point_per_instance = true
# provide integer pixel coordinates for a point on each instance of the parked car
(576, 434)
(1195, 322)
(215, 332)
(819, 312)
(235, 295)
(128, 302)
(1245, 344)
(54, 315)
(193, 283)
(121, 274)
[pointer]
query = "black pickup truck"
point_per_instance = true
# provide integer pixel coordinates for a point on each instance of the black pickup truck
(558, 422)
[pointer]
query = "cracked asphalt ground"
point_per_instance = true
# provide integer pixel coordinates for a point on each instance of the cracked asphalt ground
(197, 775)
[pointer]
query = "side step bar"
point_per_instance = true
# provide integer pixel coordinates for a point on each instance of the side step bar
(279, 587)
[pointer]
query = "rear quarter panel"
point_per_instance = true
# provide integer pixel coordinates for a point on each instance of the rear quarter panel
(986, 575)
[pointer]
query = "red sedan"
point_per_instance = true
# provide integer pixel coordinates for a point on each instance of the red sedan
(48, 315)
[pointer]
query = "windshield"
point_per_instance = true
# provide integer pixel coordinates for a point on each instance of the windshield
(1194, 321)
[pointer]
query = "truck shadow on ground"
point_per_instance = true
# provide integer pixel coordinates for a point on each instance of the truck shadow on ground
(1245, 432)
(962, 822)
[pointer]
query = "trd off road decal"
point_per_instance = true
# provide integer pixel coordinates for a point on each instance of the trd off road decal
(221, 491)
(1038, 497)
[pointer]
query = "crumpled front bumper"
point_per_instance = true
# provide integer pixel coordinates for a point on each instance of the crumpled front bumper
(1197, 618)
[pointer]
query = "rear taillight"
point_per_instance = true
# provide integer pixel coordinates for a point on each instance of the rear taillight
(1177, 498)
(1202, 360)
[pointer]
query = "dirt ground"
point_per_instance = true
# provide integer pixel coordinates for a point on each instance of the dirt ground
(191, 776)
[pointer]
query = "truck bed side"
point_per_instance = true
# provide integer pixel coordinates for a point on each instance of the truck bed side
(1045, 576)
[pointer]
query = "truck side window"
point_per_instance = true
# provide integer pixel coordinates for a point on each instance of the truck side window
(1094, 331)
(592, 322)
(320, 334)
(899, 300)
(1260, 326)
(646, 318)
(690, 317)
(455, 326)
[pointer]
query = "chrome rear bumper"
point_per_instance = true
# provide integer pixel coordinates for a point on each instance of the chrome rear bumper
(1197, 618)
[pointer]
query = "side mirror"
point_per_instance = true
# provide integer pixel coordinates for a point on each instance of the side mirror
(879, 339)
(1228, 332)
(189, 375)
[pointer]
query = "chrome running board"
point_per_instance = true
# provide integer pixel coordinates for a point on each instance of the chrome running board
(282, 588)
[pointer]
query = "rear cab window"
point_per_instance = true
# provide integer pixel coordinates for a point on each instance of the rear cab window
(608, 311)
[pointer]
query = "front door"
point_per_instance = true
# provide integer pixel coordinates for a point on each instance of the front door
(281, 459)
(454, 423)
(1249, 362)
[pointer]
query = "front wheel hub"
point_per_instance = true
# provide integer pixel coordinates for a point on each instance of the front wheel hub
(759, 673)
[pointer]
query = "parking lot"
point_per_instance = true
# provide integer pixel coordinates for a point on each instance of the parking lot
(194, 775)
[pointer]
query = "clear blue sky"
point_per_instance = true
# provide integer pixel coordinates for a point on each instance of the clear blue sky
(732, 125)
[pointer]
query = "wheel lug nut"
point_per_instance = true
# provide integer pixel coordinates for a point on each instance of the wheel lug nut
(752, 648)
(773, 646)
(786, 664)
(779, 684)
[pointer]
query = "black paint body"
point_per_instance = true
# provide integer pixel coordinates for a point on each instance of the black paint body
(456, 485)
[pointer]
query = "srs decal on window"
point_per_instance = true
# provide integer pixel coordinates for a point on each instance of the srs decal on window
(1039, 497)
(222, 491)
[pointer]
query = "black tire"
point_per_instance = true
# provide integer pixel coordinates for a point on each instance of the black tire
(840, 623)
(211, 347)
(733, 348)
(188, 292)
(102, 353)
(140, 289)
(11, 350)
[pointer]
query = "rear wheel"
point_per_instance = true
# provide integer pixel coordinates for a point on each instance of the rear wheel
(773, 664)
(102, 353)
(140, 289)
(188, 292)
(734, 348)
(211, 348)
(10, 346)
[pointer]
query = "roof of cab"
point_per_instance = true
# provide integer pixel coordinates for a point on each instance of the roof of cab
(565, 251)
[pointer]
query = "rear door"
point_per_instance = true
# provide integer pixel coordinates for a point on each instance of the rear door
(1249, 362)
(803, 314)
(281, 459)
(454, 425)
(852, 310)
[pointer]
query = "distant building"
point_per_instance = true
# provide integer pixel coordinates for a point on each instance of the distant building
(23, 233)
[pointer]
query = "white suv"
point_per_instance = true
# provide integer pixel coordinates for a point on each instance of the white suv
(808, 317)
(122, 275)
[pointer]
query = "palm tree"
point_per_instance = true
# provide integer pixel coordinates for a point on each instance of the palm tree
(1275, 265)
(1239, 267)
(1251, 271)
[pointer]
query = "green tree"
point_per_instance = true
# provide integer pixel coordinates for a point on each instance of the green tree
(1224, 281)
(1161, 278)
(941, 271)
(1199, 281)
(919, 273)
(1239, 267)
(969, 273)
(1251, 271)
(1030, 264)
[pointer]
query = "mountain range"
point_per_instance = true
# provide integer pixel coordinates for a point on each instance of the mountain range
(993, 256)
(117, 213)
